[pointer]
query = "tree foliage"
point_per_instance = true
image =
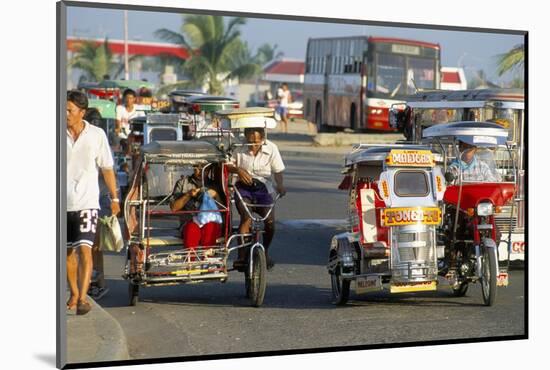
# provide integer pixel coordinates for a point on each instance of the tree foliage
(513, 60)
(217, 52)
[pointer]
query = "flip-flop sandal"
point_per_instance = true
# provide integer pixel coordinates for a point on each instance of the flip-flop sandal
(83, 308)
(71, 306)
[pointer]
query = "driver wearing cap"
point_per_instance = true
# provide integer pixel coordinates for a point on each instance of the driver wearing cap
(472, 166)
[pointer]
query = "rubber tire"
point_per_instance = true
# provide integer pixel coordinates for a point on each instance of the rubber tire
(133, 293)
(461, 290)
(353, 118)
(489, 276)
(319, 118)
(258, 281)
(340, 287)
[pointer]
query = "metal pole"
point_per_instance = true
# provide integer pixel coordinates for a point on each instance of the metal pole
(126, 69)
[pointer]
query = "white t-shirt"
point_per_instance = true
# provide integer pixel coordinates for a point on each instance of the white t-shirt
(85, 157)
(263, 165)
(284, 97)
(124, 117)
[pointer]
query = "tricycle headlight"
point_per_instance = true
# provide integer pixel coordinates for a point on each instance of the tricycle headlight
(484, 209)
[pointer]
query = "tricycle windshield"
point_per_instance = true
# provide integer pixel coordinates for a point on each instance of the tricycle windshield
(411, 183)
(476, 165)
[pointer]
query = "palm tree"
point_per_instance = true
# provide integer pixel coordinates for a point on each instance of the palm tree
(266, 53)
(96, 60)
(512, 60)
(216, 50)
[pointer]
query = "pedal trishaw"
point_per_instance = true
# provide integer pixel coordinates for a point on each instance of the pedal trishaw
(232, 123)
(394, 196)
(156, 254)
(476, 192)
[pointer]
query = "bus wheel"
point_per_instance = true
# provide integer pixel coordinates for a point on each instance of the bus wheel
(319, 118)
(353, 118)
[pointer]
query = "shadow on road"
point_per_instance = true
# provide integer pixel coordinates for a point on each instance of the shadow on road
(278, 296)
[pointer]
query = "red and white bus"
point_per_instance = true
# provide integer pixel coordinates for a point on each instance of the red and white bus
(351, 82)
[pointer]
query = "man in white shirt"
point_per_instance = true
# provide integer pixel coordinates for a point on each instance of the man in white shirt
(255, 164)
(87, 151)
(124, 113)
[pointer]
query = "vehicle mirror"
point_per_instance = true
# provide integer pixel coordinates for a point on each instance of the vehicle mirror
(449, 177)
(398, 115)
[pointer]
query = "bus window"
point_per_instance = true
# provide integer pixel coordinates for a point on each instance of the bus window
(390, 73)
(422, 71)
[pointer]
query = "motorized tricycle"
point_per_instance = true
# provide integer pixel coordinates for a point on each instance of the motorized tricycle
(477, 190)
(394, 209)
(504, 107)
(156, 254)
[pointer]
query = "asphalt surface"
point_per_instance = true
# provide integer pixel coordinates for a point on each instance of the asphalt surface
(215, 318)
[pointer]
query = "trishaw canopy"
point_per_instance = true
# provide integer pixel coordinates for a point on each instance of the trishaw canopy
(247, 118)
(181, 152)
(211, 104)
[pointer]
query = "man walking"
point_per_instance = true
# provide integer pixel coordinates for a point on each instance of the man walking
(87, 152)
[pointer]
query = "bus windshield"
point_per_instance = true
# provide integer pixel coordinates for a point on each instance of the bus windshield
(390, 74)
(397, 75)
(422, 71)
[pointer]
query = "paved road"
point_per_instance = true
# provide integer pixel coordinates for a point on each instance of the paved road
(297, 312)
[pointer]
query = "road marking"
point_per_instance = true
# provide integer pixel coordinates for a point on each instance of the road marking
(313, 223)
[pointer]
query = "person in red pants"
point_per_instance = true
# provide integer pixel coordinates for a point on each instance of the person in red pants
(194, 235)
(187, 196)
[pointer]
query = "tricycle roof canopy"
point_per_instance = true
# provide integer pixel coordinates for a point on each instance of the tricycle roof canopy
(474, 133)
(364, 153)
(473, 98)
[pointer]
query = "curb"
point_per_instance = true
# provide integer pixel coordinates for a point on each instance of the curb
(95, 337)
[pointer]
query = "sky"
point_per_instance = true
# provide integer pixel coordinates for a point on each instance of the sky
(471, 50)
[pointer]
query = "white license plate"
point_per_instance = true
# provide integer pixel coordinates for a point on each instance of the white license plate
(367, 284)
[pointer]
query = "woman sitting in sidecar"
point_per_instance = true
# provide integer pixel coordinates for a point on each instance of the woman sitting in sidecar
(190, 194)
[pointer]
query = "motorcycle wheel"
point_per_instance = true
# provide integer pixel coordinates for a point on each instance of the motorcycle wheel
(255, 289)
(133, 293)
(340, 287)
(489, 275)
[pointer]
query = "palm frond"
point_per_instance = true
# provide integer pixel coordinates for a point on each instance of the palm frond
(513, 59)
(244, 71)
(172, 36)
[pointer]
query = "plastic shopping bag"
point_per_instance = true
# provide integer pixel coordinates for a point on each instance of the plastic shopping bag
(110, 235)
(205, 217)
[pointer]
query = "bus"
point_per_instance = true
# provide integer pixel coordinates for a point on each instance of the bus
(351, 82)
